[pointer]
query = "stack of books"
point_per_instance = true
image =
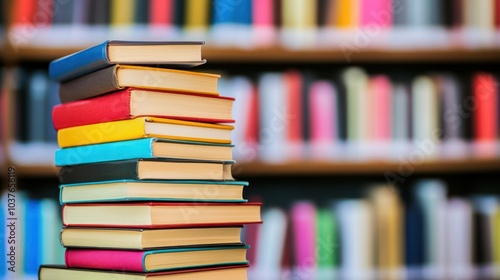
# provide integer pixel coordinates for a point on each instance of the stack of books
(146, 183)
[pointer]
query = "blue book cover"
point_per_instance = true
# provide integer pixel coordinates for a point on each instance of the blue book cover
(32, 245)
(229, 11)
(113, 151)
(97, 57)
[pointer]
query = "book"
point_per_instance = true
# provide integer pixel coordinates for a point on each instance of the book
(133, 190)
(234, 272)
(160, 215)
(161, 13)
(270, 246)
(122, 12)
(356, 252)
(145, 169)
(485, 94)
(142, 239)
(141, 128)
(143, 148)
(122, 76)
(174, 53)
(459, 231)
(303, 219)
(130, 103)
(156, 260)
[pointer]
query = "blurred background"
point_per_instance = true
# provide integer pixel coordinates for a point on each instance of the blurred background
(368, 128)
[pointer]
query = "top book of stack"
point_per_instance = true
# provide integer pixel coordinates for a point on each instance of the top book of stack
(115, 65)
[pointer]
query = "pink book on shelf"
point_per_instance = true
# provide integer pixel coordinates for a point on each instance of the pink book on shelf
(304, 234)
(485, 93)
(381, 108)
(263, 13)
(376, 13)
(323, 115)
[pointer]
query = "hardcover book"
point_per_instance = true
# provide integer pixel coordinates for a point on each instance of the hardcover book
(160, 215)
(133, 190)
(130, 103)
(233, 272)
(141, 239)
(145, 169)
(176, 54)
(143, 148)
(142, 128)
(122, 76)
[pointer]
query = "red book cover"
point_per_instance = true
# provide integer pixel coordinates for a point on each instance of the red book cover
(161, 12)
(294, 118)
(485, 93)
(252, 131)
(185, 209)
(24, 11)
(109, 107)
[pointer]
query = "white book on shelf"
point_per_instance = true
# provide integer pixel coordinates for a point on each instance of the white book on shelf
(274, 119)
(425, 117)
(270, 245)
(459, 239)
(431, 196)
(356, 234)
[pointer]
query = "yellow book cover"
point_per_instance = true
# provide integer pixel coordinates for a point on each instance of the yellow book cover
(299, 14)
(141, 128)
(196, 14)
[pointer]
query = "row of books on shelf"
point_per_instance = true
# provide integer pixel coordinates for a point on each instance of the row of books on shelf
(380, 236)
(244, 23)
(295, 115)
(355, 115)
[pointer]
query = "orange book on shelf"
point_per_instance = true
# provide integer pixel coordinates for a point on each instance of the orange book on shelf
(347, 14)
(485, 93)
(24, 12)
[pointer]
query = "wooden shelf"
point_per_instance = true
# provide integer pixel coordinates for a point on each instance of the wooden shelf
(363, 168)
(301, 168)
(281, 55)
(23, 171)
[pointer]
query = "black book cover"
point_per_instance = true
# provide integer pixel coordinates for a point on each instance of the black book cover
(102, 171)
(141, 12)
(178, 19)
(99, 12)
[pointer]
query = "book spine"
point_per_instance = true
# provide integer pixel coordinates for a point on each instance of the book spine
(104, 108)
(79, 64)
(121, 150)
(160, 12)
(93, 84)
(101, 133)
(105, 259)
(98, 172)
